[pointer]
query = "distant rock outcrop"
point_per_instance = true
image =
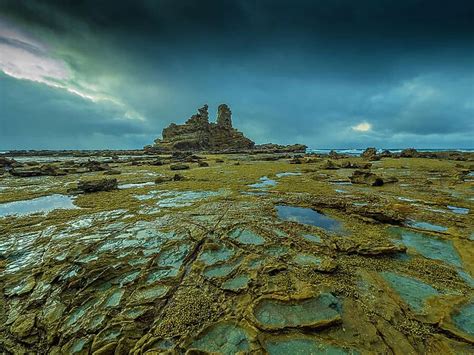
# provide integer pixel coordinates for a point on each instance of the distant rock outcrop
(198, 134)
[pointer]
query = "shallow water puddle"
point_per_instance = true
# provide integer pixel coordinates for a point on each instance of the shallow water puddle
(426, 226)
(44, 204)
(301, 344)
(458, 210)
(264, 183)
(280, 175)
(414, 292)
(308, 216)
(428, 246)
(278, 314)
(131, 186)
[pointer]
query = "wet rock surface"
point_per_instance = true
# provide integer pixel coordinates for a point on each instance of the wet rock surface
(260, 257)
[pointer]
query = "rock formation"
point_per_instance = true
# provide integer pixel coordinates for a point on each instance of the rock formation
(199, 134)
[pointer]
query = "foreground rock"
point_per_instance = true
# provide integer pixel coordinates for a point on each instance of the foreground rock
(97, 185)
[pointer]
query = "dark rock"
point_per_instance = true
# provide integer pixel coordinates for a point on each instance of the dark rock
(26, 172)
(97, 185)
(157, 162)
(370, 154)
(276, 148)
(219, 161)
(93, 165)
(409, 153)
(178, 177)
(112, 172)
(329, 165)
(386, 154)
(203, 164)
(43, 170)
(179, 167)
(366, 177)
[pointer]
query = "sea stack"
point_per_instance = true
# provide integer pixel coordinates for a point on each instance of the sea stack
(198, 134)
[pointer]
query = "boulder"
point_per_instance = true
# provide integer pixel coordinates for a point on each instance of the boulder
(203, 164)
(97, 185)
(365, 177)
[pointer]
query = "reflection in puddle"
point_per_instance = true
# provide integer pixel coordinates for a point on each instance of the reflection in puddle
(43, 204)
(308, 216)
(427, 226)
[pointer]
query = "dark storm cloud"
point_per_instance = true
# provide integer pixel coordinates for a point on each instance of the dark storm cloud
(299, 70)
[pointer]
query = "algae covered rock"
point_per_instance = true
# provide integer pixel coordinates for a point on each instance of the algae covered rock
(23, 325)
(179, 167)
(97, 185)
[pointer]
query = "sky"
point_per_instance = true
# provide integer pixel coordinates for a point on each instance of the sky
(111, 74)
